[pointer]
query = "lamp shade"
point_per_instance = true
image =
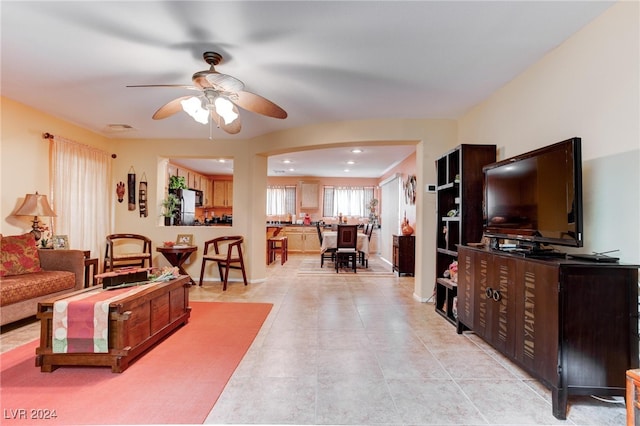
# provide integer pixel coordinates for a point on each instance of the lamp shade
(35, 205)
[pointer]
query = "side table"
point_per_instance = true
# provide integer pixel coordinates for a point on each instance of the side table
(177, 255)
(90, 269)
(404, 257)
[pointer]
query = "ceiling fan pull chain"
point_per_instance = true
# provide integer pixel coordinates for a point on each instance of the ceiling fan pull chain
(215, 118)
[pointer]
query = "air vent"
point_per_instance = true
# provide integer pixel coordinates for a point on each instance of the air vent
(119, 127)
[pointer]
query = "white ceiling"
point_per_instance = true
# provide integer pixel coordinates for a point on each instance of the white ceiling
(321, 61)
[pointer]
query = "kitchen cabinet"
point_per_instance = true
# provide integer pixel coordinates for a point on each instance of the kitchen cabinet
(207, 189)
(302, 239)
(572, 325)
(309, 195)
(222, 193)
(194, 181)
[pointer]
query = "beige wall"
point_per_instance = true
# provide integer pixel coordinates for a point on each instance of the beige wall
(24, 157)
(587, 87)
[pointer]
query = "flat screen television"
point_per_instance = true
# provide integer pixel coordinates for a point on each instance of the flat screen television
(536, 198)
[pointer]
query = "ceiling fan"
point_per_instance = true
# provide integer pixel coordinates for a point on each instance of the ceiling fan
(220, 97)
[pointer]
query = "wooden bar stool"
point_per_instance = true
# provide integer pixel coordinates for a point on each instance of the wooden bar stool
(277, 245)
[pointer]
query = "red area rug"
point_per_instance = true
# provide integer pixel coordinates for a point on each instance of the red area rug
(177, 382)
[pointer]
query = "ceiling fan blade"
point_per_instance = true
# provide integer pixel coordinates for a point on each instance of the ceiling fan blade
(256, 103)
(231, 128)
(224, 82)
(201, 82)
(182, 86)
(169, 108)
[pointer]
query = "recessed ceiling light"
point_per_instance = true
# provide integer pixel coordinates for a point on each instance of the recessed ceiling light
(356, 150)
(347, 170)
(292, 169)
(351, 162)
(222, 160)
(286, 161)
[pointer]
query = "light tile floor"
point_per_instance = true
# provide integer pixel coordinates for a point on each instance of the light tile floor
(354, 350)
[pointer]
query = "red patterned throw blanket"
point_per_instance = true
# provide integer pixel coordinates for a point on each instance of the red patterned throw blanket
(81, 322)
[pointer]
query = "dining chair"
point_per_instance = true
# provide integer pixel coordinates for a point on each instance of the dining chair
(227, 253)
(346, 247)
(329, 253)
(369, 231)
(364, 260)
(127, 250)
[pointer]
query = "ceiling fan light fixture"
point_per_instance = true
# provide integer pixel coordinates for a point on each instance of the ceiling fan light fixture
(224, 108)
(193, 107)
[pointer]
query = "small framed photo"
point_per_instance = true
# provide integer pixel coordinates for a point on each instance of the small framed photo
(184, 240)
(60, 242)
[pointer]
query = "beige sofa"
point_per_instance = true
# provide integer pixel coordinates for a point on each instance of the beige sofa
(63, 272)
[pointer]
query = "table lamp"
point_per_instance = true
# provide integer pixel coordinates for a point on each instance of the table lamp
(35, 205)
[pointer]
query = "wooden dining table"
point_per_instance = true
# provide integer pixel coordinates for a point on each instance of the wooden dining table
(330, 240)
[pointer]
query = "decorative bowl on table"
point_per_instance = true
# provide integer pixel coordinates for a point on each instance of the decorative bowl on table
(169, 243)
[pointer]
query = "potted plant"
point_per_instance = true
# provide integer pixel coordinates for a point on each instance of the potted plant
(177, 182)
(169, 206)
(373, 216)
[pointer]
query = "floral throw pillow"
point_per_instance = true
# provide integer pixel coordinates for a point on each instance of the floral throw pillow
(19, 255)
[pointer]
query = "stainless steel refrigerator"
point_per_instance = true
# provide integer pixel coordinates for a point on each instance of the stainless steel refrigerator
(187, 206)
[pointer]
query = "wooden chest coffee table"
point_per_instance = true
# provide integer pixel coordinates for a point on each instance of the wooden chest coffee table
(136, 323)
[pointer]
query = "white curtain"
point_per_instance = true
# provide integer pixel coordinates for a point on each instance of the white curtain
(347, 200)
(80, 180)
(281, 200)
(276, 200)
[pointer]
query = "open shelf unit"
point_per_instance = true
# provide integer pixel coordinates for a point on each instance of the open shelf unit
(459, 197)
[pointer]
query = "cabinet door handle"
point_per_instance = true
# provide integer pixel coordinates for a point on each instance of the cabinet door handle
(496, 295)
(489, 293)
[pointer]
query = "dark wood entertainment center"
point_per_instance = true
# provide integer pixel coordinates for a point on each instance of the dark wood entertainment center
(458, 212)
(572, 324)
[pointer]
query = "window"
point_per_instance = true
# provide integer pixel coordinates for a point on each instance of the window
(281, 200)
(80, 174)
(347, 200)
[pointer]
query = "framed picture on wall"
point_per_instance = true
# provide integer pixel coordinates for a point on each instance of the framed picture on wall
(60, 242)
(184, 240)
